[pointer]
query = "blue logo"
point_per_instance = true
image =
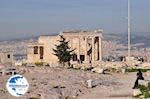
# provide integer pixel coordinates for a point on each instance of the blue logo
(17, 85)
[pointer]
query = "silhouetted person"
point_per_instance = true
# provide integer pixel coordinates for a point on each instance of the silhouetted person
(81, 61)
(78, 61)
(139, 77)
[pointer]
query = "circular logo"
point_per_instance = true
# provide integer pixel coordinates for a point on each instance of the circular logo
(17, 85)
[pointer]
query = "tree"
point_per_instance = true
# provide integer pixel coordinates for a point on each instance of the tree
(63, 51)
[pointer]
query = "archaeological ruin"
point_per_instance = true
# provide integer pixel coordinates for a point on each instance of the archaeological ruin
(87, 45)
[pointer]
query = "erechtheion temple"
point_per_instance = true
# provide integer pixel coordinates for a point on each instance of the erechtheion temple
(87, 45)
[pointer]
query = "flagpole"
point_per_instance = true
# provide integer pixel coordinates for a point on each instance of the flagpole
(129, 31)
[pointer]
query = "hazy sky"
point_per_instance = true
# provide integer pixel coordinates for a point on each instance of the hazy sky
(19, 18)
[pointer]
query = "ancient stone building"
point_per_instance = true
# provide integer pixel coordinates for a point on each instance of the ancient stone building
(6, 58)
(87, 45)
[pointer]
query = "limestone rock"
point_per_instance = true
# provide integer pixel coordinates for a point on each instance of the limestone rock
(89, 83)
(123, 71)
(145, 64)
(136, 92)
(144, 82)
(147, 73)
(98, 70)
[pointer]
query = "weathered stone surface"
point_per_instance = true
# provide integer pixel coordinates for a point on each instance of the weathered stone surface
(93, 83)
(6, 58)
(18, 63)
(82, 41)
(123, 71)
(144, 82)
(89, 83)
(147, 73)
(145, 65)
(76, 66)
(98, 70)
(2, 72)
(136, 92)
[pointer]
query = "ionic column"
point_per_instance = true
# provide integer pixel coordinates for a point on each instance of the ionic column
(93, 52)
(100, 49)
(79, 49)
(85, 49)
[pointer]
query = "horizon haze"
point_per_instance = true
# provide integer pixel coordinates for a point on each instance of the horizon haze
(30, 18)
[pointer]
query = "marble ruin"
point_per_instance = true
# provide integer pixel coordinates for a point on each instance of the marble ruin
(6, 58)
(87, 45)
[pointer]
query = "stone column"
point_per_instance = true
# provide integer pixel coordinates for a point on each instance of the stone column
(100, 49)
(78, 49)
(97, 49)
(85, 49)
(93, 52)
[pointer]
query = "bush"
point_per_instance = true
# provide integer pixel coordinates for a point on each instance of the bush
(2, 91)
(135, 70)
(39, 63)
(113, 70)
(145, 91)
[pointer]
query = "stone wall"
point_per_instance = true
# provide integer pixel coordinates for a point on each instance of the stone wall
(6, 58)
(82, 41)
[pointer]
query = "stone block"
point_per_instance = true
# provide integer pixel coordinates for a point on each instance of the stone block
(123, 71)
(2, 72)
(147, 73)
(144, 82)
(136, 92)
(89, 83)
(98, 70)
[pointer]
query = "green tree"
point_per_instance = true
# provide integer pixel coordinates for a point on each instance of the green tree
(63, 51)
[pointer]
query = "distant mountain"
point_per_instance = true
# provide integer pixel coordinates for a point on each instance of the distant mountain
(25, 37)
(21, 38)
(136, 38)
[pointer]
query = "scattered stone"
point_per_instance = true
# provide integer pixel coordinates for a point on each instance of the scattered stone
(98, 70)
(147, 73)
(2, 72)
(144, 82)
(136, 92)
(93, 83)
(75, 66)
(123, 71)
(89, 83)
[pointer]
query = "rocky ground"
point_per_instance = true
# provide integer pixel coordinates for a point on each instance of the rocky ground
(60, 83)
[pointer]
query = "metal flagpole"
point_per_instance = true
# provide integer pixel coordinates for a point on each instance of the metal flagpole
(129, 31)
